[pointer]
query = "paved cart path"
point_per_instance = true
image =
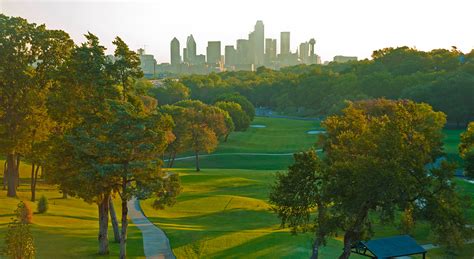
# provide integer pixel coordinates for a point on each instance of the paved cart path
(155, 242)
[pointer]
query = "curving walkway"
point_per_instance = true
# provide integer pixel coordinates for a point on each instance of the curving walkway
(155, 242)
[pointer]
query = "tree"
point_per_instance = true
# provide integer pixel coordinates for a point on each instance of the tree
(126, 67)
(467, 140)
(18, 239)
(79, 104)
(466, 149)
(29, 57)
(244, 103)
(181, 131)
(207, 124)
(240, 119)
(170, 92)
(123, 152)
(297, 193)
(378, 141)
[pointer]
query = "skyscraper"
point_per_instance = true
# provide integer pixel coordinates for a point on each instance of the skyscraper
(213, 52)
(191, 49)
(243, 52)
(285, 43)
(230, 56)
(175, 52)
(303, 52)
(270, 51)
(259, 43)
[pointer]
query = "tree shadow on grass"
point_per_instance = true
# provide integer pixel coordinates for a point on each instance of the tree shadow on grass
(186, 230)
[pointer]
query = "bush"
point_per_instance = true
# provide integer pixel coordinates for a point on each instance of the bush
(24, 213)
(42, 204)
(18, 239)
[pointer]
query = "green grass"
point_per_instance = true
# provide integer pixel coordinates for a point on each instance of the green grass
(69, 228)
(279, 136)
(451, 143)
(224, 213)
(224, 210)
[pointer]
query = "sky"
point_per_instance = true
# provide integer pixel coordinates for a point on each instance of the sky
(340, 27)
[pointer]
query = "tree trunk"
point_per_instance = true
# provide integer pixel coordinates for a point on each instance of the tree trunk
(64, 195)
(11, 175)
(34, 178)
(104, 226)
(347, 246)
(172, 159)
(315, 251)
(113, 218)
(17, 171)
(5, 175)
(226, 136)
(197, 162)
(123, 234)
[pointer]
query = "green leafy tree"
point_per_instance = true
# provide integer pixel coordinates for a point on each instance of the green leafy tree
(207, 124)
(240, 119)
(170, 92)
(29, 57)
(244, 103)
(181, 131)
(466, 149)
(378, 141)
(467, 140)
(19, 239)
(80, 102)
(297, 193)
(126, 67)
(124, 154)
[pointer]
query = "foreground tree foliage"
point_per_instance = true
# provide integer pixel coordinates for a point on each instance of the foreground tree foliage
(375, 159)
(19, 239)
(466, 149)
(298, 193)
(124, 151)
(29, 57)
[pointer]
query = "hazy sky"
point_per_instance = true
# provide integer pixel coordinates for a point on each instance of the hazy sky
(340, 27)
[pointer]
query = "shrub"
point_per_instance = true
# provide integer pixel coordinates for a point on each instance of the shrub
(42, 204)
(24, 213)
(18, 239)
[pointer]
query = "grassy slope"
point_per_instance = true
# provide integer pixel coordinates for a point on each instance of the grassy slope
(280, 136)
(223, 212)
(220, 213)
(68, 229)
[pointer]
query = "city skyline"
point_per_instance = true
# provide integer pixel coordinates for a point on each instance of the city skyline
(340, 27)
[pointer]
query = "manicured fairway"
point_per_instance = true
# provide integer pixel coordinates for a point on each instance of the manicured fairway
(223, 211)
(279, 136)
(225, 214)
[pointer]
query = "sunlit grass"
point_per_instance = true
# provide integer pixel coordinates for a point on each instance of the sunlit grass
(69, 228)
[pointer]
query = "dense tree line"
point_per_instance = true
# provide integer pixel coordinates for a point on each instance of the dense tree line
(441, 78)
